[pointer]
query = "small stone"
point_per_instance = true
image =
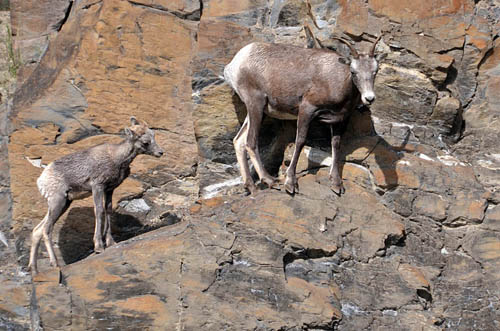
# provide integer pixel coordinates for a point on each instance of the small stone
(135, 206)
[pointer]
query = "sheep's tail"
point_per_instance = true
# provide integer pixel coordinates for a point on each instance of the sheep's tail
(36, 162)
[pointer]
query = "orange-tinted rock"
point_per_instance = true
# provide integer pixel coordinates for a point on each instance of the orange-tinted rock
(431, 205)
(410, 11)
(224, 8)
(216, 124)
(34, 23)
(414, 277)
(416, 204)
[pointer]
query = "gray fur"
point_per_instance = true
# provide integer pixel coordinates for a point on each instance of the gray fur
(95, 171)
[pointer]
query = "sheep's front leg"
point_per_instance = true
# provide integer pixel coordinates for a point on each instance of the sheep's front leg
(337, 186)
(108, 204)
(306, 111)
(98, 195)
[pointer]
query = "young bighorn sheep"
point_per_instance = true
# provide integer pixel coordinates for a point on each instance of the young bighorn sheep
(97, 171)
(288, 82)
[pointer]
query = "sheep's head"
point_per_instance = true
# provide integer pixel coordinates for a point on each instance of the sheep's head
(363, 68)
(143, 138)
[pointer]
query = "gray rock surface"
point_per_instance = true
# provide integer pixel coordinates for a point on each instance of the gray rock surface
(412, 245)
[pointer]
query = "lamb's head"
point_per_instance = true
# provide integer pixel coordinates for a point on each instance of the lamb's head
(363, 68)
(143, 138)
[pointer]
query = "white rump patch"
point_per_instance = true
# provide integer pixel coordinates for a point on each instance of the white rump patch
(232, 70)
(49, 183)
(36, 162)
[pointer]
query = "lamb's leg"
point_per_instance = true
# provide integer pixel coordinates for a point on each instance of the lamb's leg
(255, 108)
(241, 156)
(58, 204)
(108, 204)
(337, 185)
(36, 237)
(98, 195)
(304, 119)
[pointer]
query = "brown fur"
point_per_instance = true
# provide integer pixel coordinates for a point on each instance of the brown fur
(288, 82)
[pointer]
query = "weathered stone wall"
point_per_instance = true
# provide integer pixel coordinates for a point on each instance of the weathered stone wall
(414, 244)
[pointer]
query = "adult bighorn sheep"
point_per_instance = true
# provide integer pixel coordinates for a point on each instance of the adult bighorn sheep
(288, 82)
(97, 171)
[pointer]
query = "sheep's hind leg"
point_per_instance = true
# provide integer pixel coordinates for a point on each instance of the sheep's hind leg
(255, 112)
(58, 204)
(241, 156)
(36, 237)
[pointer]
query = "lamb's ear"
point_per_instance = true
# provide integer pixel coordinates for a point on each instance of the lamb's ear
(129, 133)
(134, 120)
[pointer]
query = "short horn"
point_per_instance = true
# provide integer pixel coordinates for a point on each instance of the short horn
(372, 50)
(310, 36)
(311, 15)
(351, 47)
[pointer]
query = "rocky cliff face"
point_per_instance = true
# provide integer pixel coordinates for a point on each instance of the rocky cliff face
(414, 244)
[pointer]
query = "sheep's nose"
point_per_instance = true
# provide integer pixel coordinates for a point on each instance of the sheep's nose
(370, 98)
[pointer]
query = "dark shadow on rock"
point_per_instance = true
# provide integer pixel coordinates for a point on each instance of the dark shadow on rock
(76, 234)
(360, 132)
(126, 226)
(274, 136)
(76, 237)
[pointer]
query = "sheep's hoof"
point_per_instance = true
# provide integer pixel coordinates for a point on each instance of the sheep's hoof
(291, 185)
(33, 269)
(338, 189)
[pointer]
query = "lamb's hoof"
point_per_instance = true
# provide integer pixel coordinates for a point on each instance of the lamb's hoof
(251, 188)
(338, 189)
(33, 269)
(110, 242)
(270, 181)
(98, 250)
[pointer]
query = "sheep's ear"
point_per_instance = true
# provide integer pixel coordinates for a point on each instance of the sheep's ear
(345, 60)
(134, 120)
(129, 133)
